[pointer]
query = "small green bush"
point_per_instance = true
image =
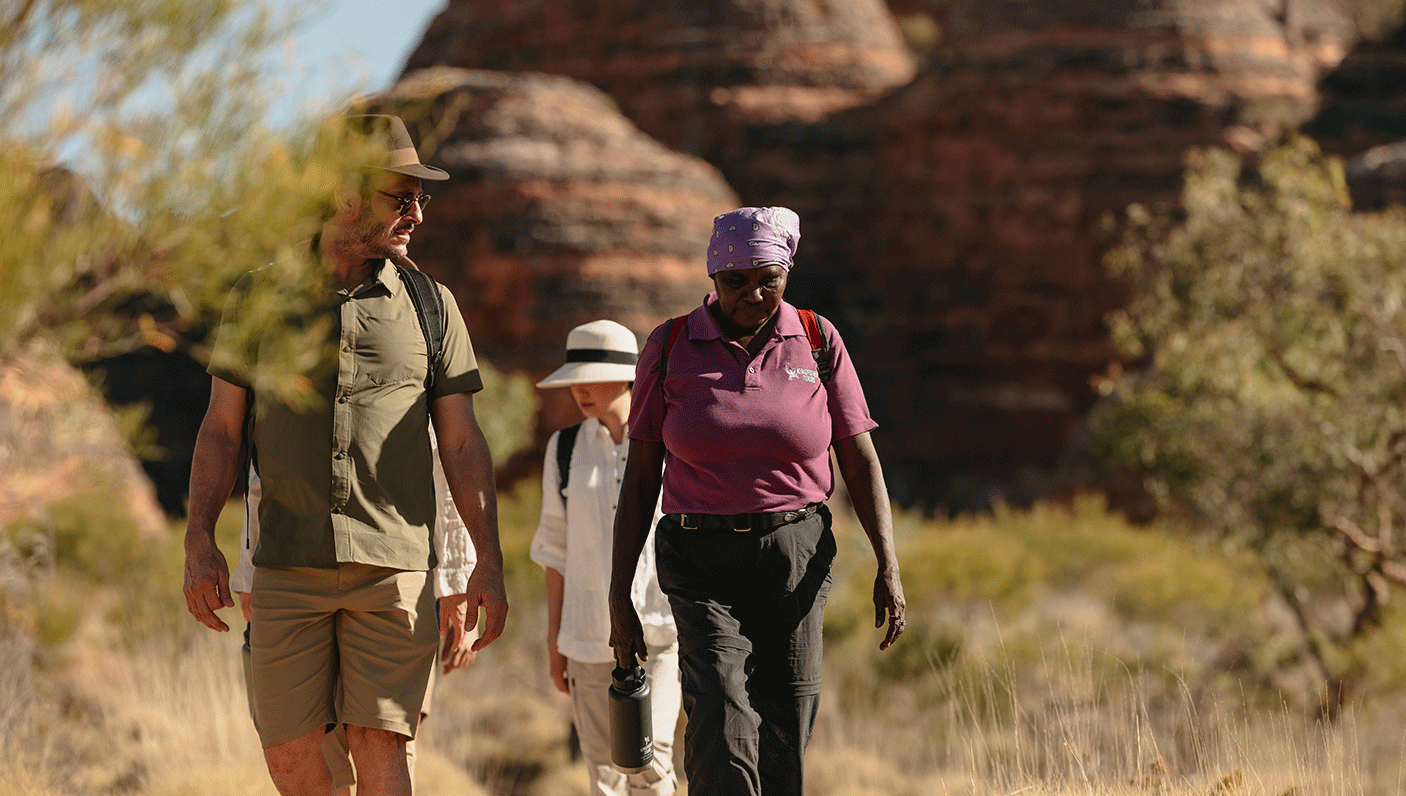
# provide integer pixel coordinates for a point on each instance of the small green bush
(89, 533)
(1177, 587)
(975, 564)
(56, 621)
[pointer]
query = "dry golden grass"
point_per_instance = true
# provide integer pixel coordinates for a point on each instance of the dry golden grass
(1041, 694)
(161, 721)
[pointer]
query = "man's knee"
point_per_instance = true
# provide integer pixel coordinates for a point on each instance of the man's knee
(298, 765)
(309, 745)
(376, 742)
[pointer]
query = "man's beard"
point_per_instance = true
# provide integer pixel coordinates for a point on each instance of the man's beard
(375, 238)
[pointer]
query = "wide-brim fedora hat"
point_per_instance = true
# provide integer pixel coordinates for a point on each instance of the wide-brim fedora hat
(599, 351)
(388, 136)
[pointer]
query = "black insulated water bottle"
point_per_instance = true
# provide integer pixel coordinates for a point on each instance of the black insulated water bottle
(631, 721)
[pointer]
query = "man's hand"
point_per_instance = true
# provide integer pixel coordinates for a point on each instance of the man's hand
(246, 605)
(485, 590)
(468, 471)
(206, 584)
(213, 470)
(457, 634)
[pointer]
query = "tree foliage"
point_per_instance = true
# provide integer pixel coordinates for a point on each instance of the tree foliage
(143, 178)
(171, 185)
(1270, 323)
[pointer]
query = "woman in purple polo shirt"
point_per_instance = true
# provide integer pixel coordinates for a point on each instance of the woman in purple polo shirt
(744, 416)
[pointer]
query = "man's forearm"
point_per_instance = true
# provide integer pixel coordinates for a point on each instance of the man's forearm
(214, 469)
(468, 470)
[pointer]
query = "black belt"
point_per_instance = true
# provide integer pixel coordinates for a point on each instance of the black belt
(741, 523)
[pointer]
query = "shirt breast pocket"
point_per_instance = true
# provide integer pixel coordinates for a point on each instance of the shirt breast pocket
(391, 354)
(396, 375)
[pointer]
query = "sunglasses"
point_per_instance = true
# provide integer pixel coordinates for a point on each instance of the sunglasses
(406, 200)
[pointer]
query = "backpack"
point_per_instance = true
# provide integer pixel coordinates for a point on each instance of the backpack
(429, 310)
(819, 346)
(566, 441)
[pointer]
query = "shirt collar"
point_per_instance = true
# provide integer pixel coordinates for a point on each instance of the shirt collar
(593, 425)
(384, 277)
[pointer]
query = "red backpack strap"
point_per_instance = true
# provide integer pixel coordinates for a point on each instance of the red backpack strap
(819, 346)
(672, 328)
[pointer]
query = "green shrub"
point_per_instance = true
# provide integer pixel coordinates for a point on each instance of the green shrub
(90, 533)
(974, 564)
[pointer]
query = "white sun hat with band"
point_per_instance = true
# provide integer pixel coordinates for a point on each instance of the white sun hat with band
(599, 351)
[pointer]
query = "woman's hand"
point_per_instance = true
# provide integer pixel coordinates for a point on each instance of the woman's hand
(888, 603)
(626, 633)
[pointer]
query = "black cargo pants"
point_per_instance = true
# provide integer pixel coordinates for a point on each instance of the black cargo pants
(750, 609)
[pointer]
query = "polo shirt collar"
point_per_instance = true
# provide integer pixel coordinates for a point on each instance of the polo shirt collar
(789, 324)
(701, 325)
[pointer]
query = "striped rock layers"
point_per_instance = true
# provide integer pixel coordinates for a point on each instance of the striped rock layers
(688, 72)
(954, 228)
(558, 210)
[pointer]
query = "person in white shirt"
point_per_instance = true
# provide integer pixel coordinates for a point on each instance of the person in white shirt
(573, 545)
(456, 557)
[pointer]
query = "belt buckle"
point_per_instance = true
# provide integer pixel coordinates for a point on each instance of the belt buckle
(747, 529)
(683, 522)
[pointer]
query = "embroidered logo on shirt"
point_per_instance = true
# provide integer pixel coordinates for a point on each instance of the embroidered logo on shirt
(805, 374)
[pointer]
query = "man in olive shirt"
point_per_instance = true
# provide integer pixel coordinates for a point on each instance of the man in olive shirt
(344, 628)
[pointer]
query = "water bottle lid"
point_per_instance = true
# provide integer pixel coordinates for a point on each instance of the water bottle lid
(628, 679)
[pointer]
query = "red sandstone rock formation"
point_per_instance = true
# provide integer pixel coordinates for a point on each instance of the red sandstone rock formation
(950, 227)
(558, 211)
(688, 73)
(954, 227)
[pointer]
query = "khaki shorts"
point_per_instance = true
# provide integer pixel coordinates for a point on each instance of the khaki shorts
(337, 752)
(352, 645)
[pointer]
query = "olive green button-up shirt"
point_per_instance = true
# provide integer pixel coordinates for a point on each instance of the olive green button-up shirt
(349, 479)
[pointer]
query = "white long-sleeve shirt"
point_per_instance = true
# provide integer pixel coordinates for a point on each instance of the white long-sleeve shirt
(452, 545)
(575, 539)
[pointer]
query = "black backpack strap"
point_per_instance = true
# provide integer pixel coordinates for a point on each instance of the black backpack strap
(429, 308)
(819, 346)
(566, 441)
(248, 458)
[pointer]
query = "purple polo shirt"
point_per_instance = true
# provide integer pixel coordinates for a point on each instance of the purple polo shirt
(745, 434)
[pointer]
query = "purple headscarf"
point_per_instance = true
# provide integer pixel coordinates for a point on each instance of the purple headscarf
(751, 237)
